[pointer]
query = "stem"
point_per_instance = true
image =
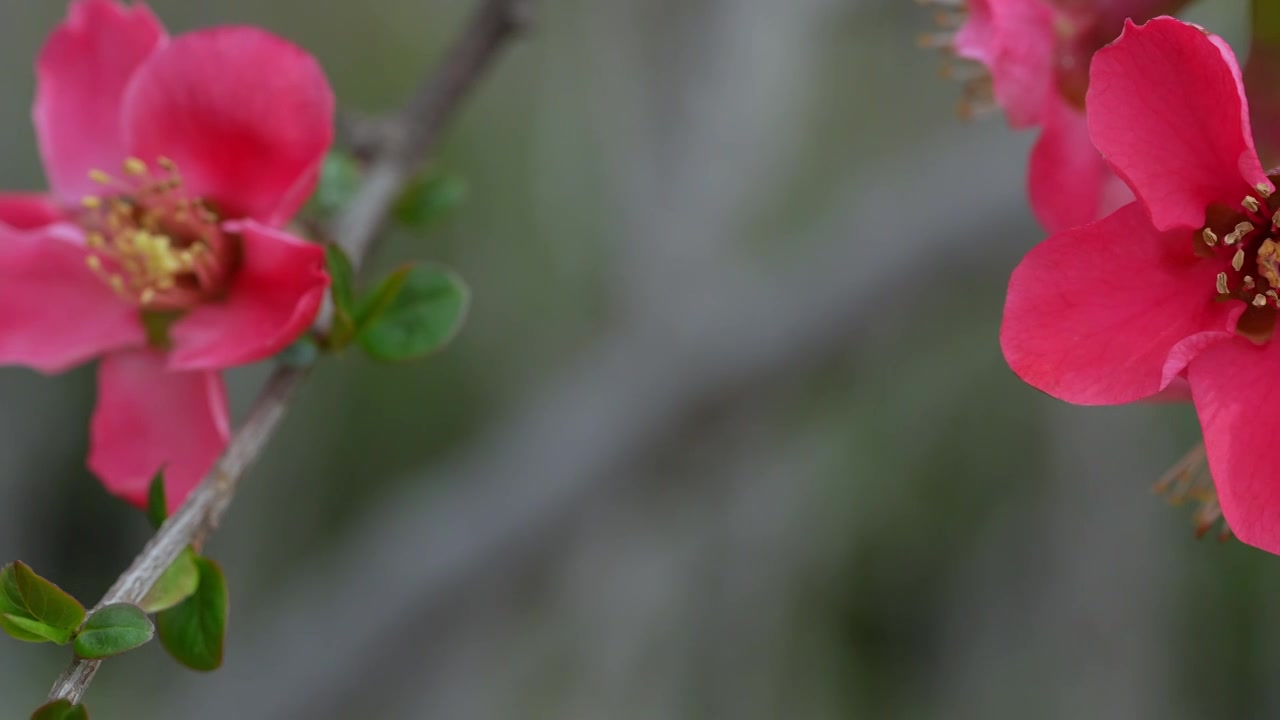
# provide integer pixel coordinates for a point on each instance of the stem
(416, 129)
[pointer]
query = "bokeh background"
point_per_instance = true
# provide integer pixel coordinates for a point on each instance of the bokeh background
(728, 435)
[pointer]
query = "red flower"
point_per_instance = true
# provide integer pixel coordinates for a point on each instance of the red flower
(1037, 53)
(174, 166)
(1182, 282)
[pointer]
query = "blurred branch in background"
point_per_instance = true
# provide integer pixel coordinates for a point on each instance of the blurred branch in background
(579, 438)
(356, 229)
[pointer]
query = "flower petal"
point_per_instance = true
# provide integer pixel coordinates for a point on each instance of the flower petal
(274, 297)
(81, 76)
(1237, 396)
(148, 418)
(246, 115)
(28, 211)
(1167, 109)
(1014, 39)
(54, 312)
(1111, 312)
(1069, 182)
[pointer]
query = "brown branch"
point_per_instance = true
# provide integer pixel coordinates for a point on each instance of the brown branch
(416, 129)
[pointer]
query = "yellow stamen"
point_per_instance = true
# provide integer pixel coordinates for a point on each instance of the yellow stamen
(135, 166)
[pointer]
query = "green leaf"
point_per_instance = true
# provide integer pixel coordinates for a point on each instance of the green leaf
(177, 583)
(112, 630)
(60, 710)
(33, 609)
(339, 182)
(28, 630)
(45, 601)
(413, 314)
(342, 289)
(428, 200)
(375, 304)
(157, 503)
(193, 630)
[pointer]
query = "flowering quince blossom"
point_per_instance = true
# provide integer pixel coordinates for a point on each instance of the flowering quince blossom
(1181, 283)
(1036, 54)
(174, 166)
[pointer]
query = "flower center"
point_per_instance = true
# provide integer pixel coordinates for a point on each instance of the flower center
(1247, 241)
(151, 242)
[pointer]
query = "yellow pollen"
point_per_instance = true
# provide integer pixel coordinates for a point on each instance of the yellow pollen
(1222, 283)
(94, 263)
(91, 202)
(1269, 262)
(1251, 203)
(1237, 261)
(169, 166)
(1210, 237)
(100, 177)
(1264, 190)
(1259, 301)
(148, 295)
(95, 240)
(135, 166)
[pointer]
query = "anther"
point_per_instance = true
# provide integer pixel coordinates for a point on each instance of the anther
(1248, 282)
(135, 166)
(1264, 190)
(1251, 203)
(94, 262)
(148, 295)
(1237, 261)
(1211, 238)
(100, 177)
(1259, 301)
(1222, 283)
(92, 202)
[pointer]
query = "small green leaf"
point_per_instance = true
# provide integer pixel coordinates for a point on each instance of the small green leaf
(60, 710)
(339, 182)
(429, 199)
(177, 583)
(33, 609)
(193, 630)
(342, 289)
(112, 630)
(157, 503)
(28, 630)
(416, 319)
(374, 305)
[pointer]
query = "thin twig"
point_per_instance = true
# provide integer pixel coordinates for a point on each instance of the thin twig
(418, 127)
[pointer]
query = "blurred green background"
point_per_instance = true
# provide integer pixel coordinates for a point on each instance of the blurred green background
(728, 434)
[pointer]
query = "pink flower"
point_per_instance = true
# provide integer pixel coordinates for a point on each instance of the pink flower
(174, 165)
(1037, 54)
(1180, 283)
